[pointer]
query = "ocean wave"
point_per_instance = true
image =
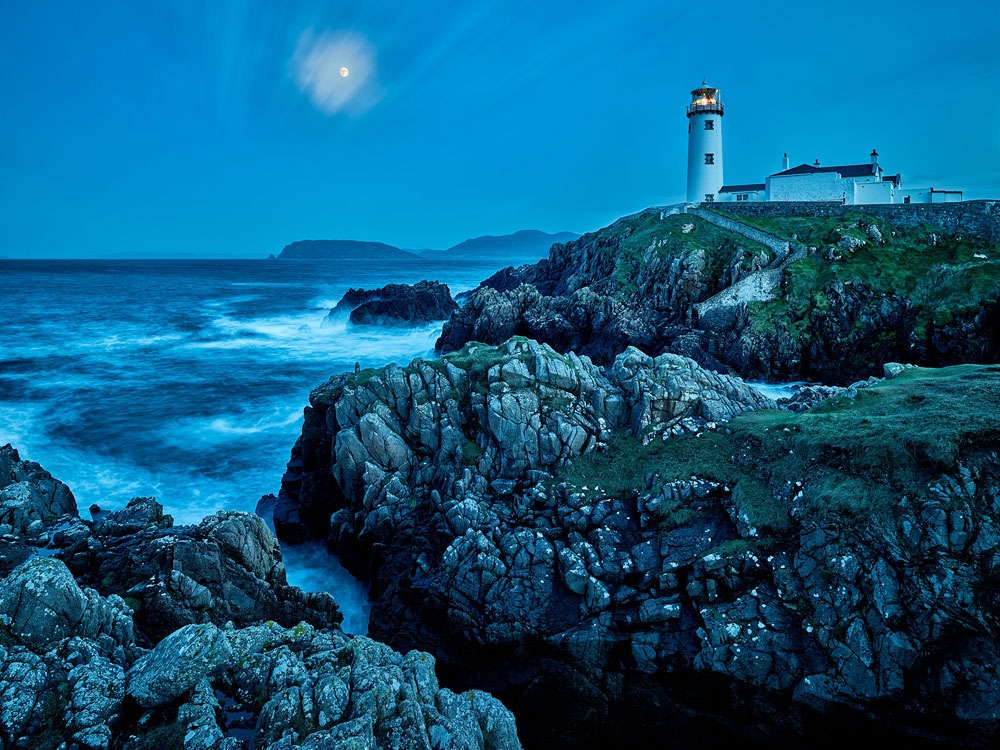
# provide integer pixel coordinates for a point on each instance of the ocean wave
(312, 568)
(122, 341)
(229, 426)
(315, 337)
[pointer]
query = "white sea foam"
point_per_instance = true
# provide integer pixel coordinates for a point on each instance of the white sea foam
(126, 341)
(18, 424)
(315, 337)
(312, 568)
(193, 393)
(777, 390)
(229, 426)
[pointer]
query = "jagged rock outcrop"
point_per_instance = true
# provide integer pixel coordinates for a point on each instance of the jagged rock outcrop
(81, 667)
(633, 283)
(855, 293)
(30, 498)
(227, 568)
(499, 419)
(396, 304)
(767, 581)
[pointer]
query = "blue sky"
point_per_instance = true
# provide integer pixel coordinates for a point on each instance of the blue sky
(224, 128)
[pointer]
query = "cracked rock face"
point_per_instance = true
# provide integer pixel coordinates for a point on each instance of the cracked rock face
(440, 482)
(602, 292)
(80, 668)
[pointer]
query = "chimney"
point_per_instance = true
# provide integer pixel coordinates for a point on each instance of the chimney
(874, 158)
(816, 163)
(784, 162)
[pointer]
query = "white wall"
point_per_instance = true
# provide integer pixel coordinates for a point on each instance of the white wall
(871, 192)
(950, 197)
(820, 186)
(704, 179)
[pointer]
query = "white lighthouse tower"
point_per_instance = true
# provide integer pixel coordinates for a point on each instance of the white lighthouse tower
(704, 144)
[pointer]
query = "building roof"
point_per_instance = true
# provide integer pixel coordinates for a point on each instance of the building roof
(893, 178)
(846, 170)
(742, 188)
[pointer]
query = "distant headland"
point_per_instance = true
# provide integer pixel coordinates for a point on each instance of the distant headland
(524, 244)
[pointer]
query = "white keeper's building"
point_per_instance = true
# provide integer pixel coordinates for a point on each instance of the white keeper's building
(848, 183)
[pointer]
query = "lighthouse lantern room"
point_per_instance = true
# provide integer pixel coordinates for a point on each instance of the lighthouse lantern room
(704, 172)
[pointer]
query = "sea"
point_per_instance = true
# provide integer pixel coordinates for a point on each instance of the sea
(186, 380)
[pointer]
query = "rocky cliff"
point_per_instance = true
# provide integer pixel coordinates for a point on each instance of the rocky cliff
(132, 633)
(857, 292)
(652, 550)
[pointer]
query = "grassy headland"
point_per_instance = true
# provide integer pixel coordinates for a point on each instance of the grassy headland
(850, 457)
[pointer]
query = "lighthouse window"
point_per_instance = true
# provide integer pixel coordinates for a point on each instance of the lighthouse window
(709, 124)
(710, 158)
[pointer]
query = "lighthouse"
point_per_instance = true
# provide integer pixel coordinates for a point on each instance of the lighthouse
(704, 177)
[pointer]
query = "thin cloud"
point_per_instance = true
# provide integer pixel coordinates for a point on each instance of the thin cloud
(337, 71)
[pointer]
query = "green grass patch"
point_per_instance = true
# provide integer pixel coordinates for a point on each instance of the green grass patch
(470, 453)
(813, 230)
(630, 239)
(850, 458)
(944, 281)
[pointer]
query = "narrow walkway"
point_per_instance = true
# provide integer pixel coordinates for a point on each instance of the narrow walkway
(759, 286)
(779, 247)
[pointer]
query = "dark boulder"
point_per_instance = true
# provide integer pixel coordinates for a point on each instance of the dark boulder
(397, 304)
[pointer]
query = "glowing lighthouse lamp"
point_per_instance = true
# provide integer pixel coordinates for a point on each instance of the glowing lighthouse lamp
(704, 173)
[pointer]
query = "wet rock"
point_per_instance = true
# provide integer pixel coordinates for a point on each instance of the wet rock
(29, 496)
(397, 304)
(42, 604)
(177, 664)
(478, 553)
(226, 568)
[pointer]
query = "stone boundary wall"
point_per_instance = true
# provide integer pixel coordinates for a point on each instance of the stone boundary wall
(980, 218)
(778, 246)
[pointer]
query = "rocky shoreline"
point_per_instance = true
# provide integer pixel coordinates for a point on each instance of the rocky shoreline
(818, 298)
(516, 523)
(581, 509)
(132, 633)
(742, 595)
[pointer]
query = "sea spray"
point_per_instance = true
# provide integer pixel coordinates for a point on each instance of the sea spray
(186, 380)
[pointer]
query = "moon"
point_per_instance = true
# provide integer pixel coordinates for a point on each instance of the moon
(344, 72)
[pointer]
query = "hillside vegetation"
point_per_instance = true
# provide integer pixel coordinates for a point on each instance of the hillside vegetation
(944, 277)
(861, 292)
(853, 457)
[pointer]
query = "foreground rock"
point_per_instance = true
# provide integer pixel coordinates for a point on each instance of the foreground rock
(780, 579)
(397, 304)
(227, 568)
(192, 656)
(827, 298)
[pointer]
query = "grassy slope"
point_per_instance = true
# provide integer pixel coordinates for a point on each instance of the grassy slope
(630, 238)
(853, 457)
(942, 281)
